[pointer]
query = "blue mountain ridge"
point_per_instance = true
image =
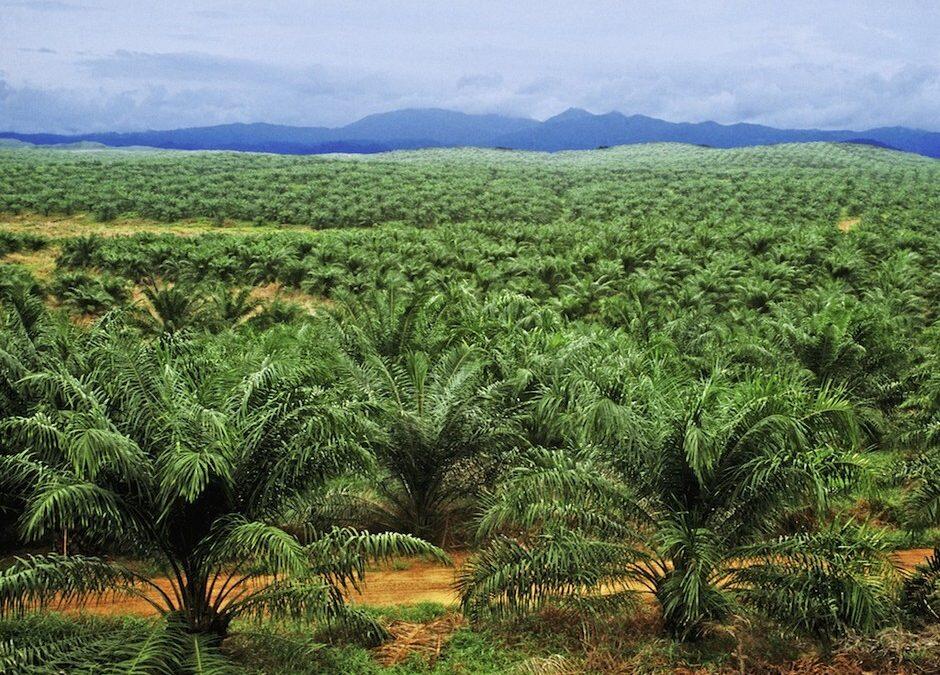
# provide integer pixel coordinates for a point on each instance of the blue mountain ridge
(573, 129)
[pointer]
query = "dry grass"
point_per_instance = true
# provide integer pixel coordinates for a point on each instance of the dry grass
(40, 263)
(276, 291)
(556, 664)
(426, 639)
(76, 225)
(848, 224)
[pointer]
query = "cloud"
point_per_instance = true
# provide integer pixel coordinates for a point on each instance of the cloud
(47, 5)
(31, 109)
(188, 69)
(211, 13)
(331, 62)
(790, 93)
(184, 67)
(778, 75)
(136, 90)
(164, 91)
(480, 81)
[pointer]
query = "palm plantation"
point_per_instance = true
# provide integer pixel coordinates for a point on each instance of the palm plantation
(663, 408)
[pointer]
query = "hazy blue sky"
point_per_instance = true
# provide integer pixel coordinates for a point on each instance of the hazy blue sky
(79, 65)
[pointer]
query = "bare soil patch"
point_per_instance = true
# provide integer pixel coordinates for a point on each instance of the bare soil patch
(848, 224)
(272, 291)
(413, 581)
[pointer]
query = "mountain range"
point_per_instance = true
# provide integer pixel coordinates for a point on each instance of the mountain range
(574, 129)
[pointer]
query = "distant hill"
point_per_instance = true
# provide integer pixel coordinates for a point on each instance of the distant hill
(574, 129)
(440, 127)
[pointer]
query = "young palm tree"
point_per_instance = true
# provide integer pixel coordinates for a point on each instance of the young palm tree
(694, 516)
(231, 306)
(27, 333)
(392, 323)
(162, 452)
(170, 309)
(920, 600)
(851, 345)
(80, 251)
(442, 430)
(443, 437)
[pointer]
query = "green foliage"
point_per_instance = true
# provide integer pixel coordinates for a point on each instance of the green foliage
(44, 644)
(694, 513)
(85, 293)
(432, 187)
(187, 453)
(649, 369)
(444, 431)
(14, 242)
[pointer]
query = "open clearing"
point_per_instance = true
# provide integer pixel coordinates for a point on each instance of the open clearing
(40, 263)
(77, 225)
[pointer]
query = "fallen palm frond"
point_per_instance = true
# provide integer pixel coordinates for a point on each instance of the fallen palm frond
(425, 639)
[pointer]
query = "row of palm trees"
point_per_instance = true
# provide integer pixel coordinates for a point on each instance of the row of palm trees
(264, 471)
(770, 184)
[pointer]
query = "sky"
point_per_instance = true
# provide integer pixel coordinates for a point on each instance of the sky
(71, 66)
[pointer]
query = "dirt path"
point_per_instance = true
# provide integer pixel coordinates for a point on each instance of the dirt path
(418, 581)
(911, 558)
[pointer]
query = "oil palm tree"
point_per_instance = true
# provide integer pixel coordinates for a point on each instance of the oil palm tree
(694, 515)
(391, 323)
(443, 428)
(81, 251)
(170, 309)
(26, 330)
(162, 452)
(444, 435)
(920, 600)
(852, 345)
(231, 306)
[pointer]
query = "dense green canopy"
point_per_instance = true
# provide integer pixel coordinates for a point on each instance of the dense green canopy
(690, 371)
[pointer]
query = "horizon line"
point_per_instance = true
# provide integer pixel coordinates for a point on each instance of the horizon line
(468, 114)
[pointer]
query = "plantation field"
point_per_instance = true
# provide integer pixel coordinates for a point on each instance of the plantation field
(656, 408)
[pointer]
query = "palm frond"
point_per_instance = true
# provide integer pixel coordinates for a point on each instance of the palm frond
(202, 657)
(823, 583)
(341, 555)
(260, 546)
(35, 581)
(508, 579)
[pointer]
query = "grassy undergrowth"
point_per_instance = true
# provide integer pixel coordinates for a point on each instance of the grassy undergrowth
(547, 643)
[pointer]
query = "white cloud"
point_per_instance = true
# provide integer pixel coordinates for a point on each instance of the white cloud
(332, 62)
